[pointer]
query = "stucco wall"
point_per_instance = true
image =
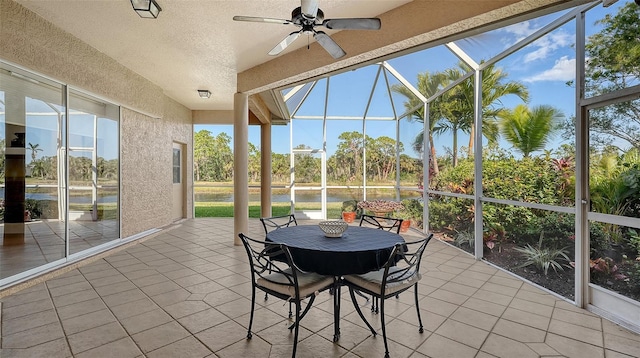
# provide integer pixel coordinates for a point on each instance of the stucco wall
(29, 41)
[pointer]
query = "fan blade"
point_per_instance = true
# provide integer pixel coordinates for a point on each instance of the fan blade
(309, 8)
(284, 43)
(328, 44)
(262, 19)
(352, 24)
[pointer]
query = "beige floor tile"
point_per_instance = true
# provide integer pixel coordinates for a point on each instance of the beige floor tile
(370, 347)
(160, 336)
(34, 337)
(437, 346)
(509, 281)
(491, 308)
(185, 308)
(532, 307)
(504, 347)
(25, 323)
(223, 335)
(203, 320)
(622, 344)
(17, 311)
(188, 347)
(109, 280)
(134, 308)
(572, 348)
(614, 354)
(500, 289)
(430, 321)
(526, 318)
(144, 321)
(543, 349)
(493, 297)
(87, 321)
(583, 318)
(96, 337)
(123, 297)
(74, 298)
(474, 318)
(573, 331)
(122, 348)
(519, 332)
(118, 287)
(437, 306)
(470, 279)
(463, 333)
(55, 348)
(169, 298)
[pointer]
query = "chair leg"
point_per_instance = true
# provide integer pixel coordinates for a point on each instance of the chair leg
(290, 313)
(421, 329)
(266, 295)
(384, 329)
(355, 304)
(296, 329)
(253, 304)
(306, 309)
(374, 305)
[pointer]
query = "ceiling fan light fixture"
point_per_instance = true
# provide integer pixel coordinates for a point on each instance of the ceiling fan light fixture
(204, 93)
(147, 9)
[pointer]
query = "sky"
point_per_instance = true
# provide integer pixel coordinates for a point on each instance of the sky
(545, 67)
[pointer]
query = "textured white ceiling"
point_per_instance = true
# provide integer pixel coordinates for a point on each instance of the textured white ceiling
(193, 44)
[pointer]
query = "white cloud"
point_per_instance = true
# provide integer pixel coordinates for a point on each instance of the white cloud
(542, 47)
(563, 70)
(547, 44)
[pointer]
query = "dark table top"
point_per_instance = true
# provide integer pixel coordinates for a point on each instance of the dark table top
(359, 250)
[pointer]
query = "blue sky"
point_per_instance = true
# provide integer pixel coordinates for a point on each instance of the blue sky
(545, 67)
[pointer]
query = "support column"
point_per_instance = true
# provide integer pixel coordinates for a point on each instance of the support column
(240, 165)
(265, 170)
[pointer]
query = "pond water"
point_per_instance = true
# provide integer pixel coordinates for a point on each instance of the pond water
(306, 196)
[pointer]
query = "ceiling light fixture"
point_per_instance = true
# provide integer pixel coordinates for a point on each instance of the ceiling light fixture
(204, 93)
(148, 9)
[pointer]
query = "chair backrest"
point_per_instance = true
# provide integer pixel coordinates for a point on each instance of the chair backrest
(277, 222)
(404, 262)
(260, 254)
(382, 223)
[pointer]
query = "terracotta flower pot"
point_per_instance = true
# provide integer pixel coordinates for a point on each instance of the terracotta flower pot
(404, 227)
(349, 216)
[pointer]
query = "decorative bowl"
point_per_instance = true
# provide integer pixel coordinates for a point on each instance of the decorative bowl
(333, 228)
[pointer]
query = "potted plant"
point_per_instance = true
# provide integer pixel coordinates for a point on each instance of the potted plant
(349, 211)
(406, 219)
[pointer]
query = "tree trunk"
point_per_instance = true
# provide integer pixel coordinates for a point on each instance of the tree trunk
(455, 148)
(472, 134)
(436, 170)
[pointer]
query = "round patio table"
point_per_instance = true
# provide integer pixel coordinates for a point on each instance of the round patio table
(359, 250)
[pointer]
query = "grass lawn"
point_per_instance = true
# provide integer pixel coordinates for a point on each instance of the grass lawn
(225, 210)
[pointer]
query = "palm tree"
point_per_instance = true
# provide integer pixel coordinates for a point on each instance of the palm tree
(428, 85)
(528, 130)
(493, 90)
(34, 148)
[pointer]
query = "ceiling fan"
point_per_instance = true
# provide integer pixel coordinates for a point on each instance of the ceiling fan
(307, 17)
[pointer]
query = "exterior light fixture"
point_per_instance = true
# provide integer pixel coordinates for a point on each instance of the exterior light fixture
(148, 9)
(204, 93)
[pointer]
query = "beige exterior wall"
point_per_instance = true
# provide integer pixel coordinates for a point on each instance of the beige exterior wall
(28, 41)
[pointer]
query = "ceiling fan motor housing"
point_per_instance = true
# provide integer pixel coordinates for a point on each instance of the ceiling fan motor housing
(298, 18)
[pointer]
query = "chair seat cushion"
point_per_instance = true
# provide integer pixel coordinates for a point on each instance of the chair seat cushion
(372, 281)
(308, 283)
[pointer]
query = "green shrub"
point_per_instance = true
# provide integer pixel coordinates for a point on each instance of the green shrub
(543, 258)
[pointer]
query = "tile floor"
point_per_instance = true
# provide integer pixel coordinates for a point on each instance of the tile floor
(185, 292)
